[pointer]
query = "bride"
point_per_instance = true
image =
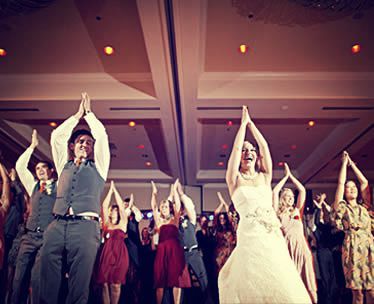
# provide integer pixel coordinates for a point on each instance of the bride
(259, 269)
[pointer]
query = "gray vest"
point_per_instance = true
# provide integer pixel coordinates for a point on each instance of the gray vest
(41, 208)
(79, 188)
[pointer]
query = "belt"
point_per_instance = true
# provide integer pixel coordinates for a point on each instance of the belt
(72, 217)
(193, 247)
(37, 229)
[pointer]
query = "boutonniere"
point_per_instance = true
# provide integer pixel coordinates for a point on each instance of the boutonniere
(296, 217)
(48, 187)
(185, 223)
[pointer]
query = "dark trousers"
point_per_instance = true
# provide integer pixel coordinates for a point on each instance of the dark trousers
(328, 278)
(194, 261)
(28, 260)
(73, 241)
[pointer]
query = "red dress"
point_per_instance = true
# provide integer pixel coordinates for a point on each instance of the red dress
(170, 269)
(114, 259)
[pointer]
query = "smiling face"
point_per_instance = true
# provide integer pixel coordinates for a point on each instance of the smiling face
(83, 146)
(287, 198)
(249, 156)
(350, 190)
(165, 209)
(43, 171)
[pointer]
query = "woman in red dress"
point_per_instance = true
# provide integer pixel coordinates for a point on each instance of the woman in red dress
(170, 268)
(114, 259)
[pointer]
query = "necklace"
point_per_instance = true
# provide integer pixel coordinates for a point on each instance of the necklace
(248, 176)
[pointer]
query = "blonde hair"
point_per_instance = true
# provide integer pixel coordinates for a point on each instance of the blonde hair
(282, 204)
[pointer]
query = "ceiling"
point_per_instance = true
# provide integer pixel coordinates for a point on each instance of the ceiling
(177, 73)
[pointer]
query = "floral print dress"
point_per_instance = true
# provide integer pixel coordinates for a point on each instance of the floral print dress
(358, 245)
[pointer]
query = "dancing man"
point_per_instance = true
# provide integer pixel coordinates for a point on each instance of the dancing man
(75, 232)
(43, 195)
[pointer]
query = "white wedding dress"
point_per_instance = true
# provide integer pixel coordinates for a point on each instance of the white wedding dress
(259, 269)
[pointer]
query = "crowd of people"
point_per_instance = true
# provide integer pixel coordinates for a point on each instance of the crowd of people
(59, 243)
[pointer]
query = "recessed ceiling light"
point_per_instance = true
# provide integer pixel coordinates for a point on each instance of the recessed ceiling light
(281, 164)
(293, 147)
(132, 124)
(229, 123)
(224, 146)
(141, 146)
(284, 107)
(2, 52)
(311, 123)
(356, 48)
(109, 50)
(148, 164)
(243, 48)
(53, 124)
(220, 164)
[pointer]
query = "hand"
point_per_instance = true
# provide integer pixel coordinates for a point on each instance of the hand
(13, 174)
(220, 196)
(245, 116)
(87, 103)
(80, 112)
(345, 157)
(350, 162)
(112, 186)
(154, 188)
(178, 186)
(34, 139)
(323, 197)
(131, 202)
(287, 171)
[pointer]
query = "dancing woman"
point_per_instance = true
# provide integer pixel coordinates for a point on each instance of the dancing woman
(354, 219)
(259, 269)
(224, 234)
(290, 216)
(114, 259)
(170, 267)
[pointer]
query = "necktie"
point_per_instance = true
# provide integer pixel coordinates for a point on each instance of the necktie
(42, 186)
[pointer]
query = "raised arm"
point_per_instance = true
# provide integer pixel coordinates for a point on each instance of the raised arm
(60, 137)
(154, 207)
(123, 212)
(266, 162)
(278, 187)
(137, 212)
(302, 193)
(236, 153)
(341, 181)
(25, 176)
(177, 201)
(220, 206)
(101, 148)
(364, 183)
(5, 195)
(106, 204)
(187, 203)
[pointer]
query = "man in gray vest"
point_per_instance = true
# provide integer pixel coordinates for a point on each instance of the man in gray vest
(43, 195)
(192, 254)
(74, 235)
